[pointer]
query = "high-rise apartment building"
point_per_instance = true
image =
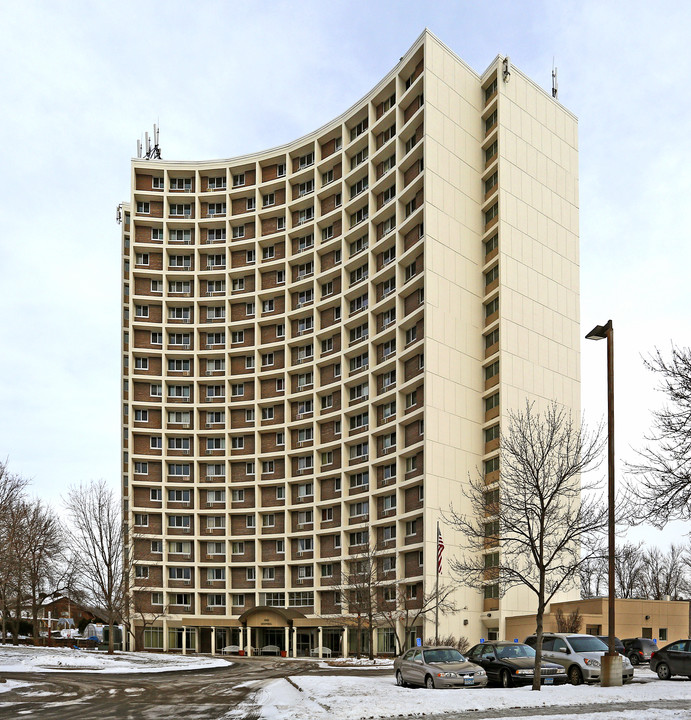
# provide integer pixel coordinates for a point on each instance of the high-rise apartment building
(320, 343)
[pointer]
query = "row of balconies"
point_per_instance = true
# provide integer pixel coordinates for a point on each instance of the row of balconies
(300, 495)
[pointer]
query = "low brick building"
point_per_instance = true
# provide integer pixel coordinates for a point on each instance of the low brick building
(661, 620)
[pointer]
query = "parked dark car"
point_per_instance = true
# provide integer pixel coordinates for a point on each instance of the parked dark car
(618, 644)
(508, 663)
(437, 667)
(639, 650)
(672, 659)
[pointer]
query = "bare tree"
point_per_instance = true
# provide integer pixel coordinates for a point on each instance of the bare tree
(12, 488)
(43, 538)
(664, 465)
(593, 575)
(96, 540)
(16, 554)
(407, 611)
(663, 573)
(628, 570)
(361, 591)
(141, 614)
(570, 623)
(536, 518)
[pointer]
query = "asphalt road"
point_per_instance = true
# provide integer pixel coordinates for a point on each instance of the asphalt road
(184, 695)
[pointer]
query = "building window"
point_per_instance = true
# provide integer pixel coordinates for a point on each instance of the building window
(491, 402)
(306, 160)
(491, 591)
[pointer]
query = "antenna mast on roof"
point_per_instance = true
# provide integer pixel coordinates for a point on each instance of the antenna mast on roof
(151, 152)
(555, 86)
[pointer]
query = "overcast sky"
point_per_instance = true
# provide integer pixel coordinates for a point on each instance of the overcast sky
(83, 80)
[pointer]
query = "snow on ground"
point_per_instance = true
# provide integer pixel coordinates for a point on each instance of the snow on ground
(11, 685)
(622, 715)
(358, 663)
(352, 698)
(25, 658)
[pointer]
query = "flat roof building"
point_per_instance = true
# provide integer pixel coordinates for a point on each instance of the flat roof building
(320, 343)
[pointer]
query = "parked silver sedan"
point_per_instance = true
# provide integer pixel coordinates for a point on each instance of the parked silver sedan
(437, 667)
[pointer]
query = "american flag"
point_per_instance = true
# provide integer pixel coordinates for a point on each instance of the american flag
(440, 550)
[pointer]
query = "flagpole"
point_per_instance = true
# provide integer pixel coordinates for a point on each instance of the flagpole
(436, 592)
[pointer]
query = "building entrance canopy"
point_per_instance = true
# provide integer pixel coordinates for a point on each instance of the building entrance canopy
(264, 616)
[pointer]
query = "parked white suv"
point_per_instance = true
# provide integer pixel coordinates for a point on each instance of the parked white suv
(580, 655)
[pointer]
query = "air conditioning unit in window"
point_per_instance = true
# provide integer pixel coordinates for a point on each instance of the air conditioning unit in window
(186, 426)
(185, 347)
(209, 452)
(185, 452)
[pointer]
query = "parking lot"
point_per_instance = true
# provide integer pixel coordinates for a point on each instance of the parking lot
(303, 689)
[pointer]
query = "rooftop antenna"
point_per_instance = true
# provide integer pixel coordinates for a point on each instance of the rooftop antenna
(151, 152)
(506, 72)
(555, 85)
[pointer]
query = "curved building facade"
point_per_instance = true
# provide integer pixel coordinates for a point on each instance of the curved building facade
(320, 342)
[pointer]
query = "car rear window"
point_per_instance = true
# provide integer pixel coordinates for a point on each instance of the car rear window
(647, 644)
(587, 644)
(443, 655)
(515, 651)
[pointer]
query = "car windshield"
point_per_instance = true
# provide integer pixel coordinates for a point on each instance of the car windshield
(443, 655)
(515, 651)
(587, 644)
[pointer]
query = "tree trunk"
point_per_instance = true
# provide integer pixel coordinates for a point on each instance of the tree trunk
(34, 620)
(539, 619)
(17, 618)
(358, 645)
(111, 639)
(370, 619)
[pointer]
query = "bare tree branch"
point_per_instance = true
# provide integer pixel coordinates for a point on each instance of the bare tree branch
(533, 528)
(664, 465)
(97, 544)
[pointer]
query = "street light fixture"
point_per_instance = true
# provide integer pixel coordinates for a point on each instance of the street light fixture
(611, 673)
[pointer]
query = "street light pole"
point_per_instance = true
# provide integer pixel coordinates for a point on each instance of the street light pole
(611, 674)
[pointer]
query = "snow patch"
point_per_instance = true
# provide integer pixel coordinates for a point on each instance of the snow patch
(12, 685)
(352, 698)
(46, 660)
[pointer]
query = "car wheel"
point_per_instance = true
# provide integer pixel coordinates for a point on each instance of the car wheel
(399, 679)
(635, 660)
(429, 682)
(505, 679)
(575, 675)
(663, 671)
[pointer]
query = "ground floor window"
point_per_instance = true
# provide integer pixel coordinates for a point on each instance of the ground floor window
(175, 638)
(492, 634)
(355, 647)
(386, 641)
(153, 638)
(662, 634)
